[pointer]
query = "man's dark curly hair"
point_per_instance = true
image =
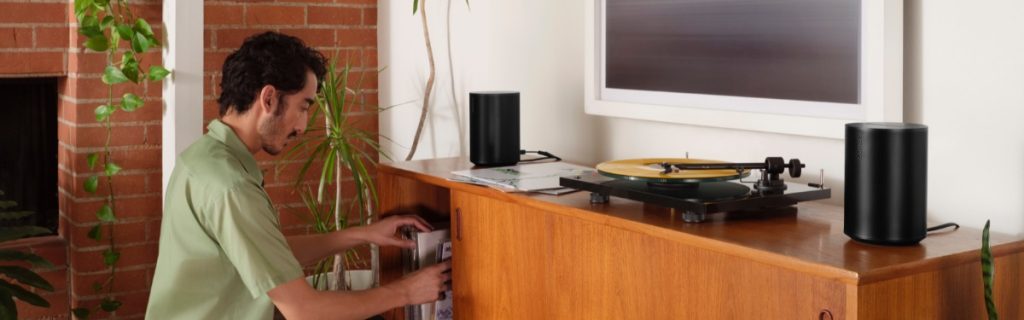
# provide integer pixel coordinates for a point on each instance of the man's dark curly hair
(270, 58)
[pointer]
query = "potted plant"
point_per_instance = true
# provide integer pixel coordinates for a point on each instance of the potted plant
(988, 274)
(9, 290)
(340, 146)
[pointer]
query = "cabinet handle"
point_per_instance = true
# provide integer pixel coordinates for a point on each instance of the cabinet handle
(825, 314)
(458, 224)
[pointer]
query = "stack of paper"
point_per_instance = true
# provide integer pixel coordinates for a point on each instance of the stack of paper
(537, 177)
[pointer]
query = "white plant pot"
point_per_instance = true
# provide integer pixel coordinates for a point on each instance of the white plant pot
(357, 279)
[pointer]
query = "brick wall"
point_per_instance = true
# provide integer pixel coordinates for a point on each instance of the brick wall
(39, 38)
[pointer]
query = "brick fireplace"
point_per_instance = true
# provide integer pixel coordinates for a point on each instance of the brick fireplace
(38, 38)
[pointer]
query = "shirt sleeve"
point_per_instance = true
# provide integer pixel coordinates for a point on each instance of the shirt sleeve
(245, 225)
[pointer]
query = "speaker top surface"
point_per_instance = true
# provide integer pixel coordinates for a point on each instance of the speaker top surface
(494, 93)
(886, 126)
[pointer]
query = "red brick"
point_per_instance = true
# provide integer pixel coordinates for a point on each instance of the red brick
(134, 303)
(21, 12)
(154, 134)
(56, 253)
(52, 37)
(357, 1)
(57, 277)
(58, 307)
(211, 110)
(152, 12)
(262, 15)
(87, 62)
(94, 88)
(15, 37)
(131, 255)
(233, 38)
(313, 37)
(357, 37)
(127, 208)
(222, 14)
(214, 61)
(124, 234)
(32, 62)
(335, 16)
(89, 137)
(124, 184)
(370, 16)
(207, 39)
(153, 230)
(85, 113)
(126, 280)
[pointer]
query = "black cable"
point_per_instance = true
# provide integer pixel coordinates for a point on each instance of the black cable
(545, 154)
(943, 226)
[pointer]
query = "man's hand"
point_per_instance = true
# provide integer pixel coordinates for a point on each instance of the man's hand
(385, 232)
(425, 285)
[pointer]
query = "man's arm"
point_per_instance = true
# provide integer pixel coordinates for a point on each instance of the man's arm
(309, 249)
(297, 300)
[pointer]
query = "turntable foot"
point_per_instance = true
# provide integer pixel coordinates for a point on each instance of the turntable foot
(596, 197)
(693, 217)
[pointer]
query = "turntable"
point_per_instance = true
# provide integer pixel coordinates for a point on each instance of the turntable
(698, 187)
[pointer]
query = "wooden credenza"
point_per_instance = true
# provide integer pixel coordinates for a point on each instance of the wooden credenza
(525, 256)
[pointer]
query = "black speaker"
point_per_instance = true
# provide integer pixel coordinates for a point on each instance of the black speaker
(494, 128)
(886, 182)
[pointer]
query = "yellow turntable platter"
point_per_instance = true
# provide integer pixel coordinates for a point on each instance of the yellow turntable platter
(650, 169)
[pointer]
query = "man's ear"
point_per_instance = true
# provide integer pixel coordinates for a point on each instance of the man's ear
(267, 99)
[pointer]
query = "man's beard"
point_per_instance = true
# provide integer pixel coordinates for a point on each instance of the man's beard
(269, 130)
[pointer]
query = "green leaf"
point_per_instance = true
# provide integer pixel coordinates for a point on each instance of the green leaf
(111, 168)
(415, 5)
(103, 112)
(23, 295)
(124, 31)
(130, 66)
(15, 255)
(81, 6)
(8, 310)
(107, 21)
(13, 215)
(113, 75)
(140, 43)
(95, 234)
(25, 276)
(11, 233)
(98, 44)
(91, 159)
(110, 257)
(105, 214)
(141, 26)
(91, 183)
(96, 286)
(157, 73)
(988, 274)
(81, 313)
(130, 102)
(110, 305)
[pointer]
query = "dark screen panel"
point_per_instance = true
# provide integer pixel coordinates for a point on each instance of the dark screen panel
(782, 49)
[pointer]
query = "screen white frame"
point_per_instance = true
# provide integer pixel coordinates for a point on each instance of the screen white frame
(881, 87)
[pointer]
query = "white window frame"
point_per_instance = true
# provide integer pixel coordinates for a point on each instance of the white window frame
(881, 87)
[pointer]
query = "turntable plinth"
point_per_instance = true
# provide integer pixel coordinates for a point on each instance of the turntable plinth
(522, 256)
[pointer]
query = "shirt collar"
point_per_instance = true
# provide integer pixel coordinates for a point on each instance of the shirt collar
(223, 133)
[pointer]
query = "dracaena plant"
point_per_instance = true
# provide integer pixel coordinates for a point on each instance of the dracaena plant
(340, 146)
(105, 25)
(988, 274)
(10, 288)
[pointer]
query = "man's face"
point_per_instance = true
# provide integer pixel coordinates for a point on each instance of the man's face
(288, 119)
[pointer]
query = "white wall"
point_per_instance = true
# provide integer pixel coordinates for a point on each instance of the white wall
(964, 78)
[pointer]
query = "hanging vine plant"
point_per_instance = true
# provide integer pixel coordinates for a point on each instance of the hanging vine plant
(106, 24)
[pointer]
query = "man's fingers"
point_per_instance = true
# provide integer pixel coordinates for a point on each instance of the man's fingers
(415, 221)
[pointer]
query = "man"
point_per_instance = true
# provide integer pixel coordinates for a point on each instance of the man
(222, 254)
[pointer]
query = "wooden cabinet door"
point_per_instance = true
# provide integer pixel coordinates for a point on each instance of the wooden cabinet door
(605, 272)
(500, 256)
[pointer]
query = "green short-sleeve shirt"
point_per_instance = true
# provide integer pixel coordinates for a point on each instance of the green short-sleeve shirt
(221, 247)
